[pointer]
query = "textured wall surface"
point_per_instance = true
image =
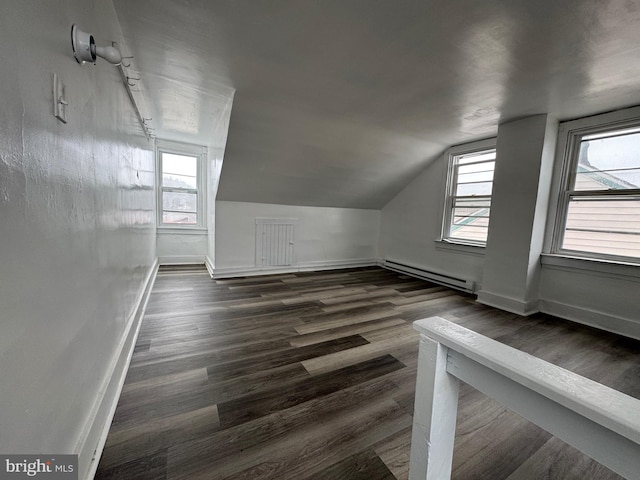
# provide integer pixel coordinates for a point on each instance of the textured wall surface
(77, 237)
(216, 156)
(412, 221)
(322, 234)
(182, 247)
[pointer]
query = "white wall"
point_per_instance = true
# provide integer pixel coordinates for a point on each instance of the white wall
(216, 157)
(77, 236)
(324, 236)
(519, 204)
(189, 247)
(598, 298)
(411, 223)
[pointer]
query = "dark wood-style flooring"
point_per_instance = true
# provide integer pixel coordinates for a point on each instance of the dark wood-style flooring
(312, 376)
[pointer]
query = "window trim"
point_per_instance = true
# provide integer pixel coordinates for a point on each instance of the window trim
(449, 156)
(187, 149)
(570, 134)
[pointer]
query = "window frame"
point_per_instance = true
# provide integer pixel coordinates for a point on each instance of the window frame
(451, 182)
(190, 150)
(570, 135)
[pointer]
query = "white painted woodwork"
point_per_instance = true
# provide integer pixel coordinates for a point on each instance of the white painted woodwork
(78, 231)
(275, 242)
(434, 418)
(599, 421)
(228, 272)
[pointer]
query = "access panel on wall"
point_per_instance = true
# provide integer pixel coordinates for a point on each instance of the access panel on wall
(275, 242)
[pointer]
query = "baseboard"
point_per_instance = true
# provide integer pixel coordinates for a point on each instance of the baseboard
(94, 436)
(210, 266)
(508, 304)
(592, 318)
(231, 272)
(430, 275)
(182, 259)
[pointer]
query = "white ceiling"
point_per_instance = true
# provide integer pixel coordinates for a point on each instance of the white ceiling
(342, 102)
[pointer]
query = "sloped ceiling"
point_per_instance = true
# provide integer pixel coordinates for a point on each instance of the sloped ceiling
(342, 102)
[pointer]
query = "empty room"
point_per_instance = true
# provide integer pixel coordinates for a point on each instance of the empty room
(320, 239)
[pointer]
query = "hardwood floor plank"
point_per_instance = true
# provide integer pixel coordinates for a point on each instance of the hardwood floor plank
(365, 465)
(284, 396)
(150, 467)
(334, 320)
(629, 380)
(197, 456)
(129, 415)
(278, 358)
(145, 440)
(337, 360)
(139, 394)
(557, 460)
(360, 294)
(240, 386)
(297, 456)
(251, 311)
(333, 333)
(394, 452)
(220, 362)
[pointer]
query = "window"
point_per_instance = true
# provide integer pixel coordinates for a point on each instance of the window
(599, 209)
(468, 198)
(181, 185)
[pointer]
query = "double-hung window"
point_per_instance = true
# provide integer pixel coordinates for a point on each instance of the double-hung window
(468, 194)
(599, 208)
(181, 187)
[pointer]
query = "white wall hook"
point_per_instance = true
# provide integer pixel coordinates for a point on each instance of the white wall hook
(59, 101)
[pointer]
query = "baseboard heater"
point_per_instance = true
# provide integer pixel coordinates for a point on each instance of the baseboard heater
(442, 279)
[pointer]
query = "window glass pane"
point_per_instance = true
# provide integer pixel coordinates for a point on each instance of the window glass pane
(179, 164)
(469, 189)
(471, 185)
(609, 162)
(604, 225)
(470, 219)
(476, 172)
(179, 181)
(180, 202)
(179, 186)
(474, 179)
(476, 157)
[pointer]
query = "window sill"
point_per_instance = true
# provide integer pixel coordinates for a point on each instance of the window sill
(182, 231)
(607, 268)
(461, 247)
